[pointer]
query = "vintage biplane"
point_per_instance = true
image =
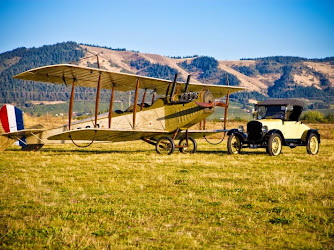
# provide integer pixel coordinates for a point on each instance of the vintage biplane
(160, 122)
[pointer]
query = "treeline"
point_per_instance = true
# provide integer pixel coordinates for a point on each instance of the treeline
(290, 59)
(146, 68)
(207, 66)
(104, 47)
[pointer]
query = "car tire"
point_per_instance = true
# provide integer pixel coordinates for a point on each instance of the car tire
(274, 145)
(233, 144)
(192, 145)
(312, 146)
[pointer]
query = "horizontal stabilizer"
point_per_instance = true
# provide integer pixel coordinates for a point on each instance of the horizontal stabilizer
(22, 133)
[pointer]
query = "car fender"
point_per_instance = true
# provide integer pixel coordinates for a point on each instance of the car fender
(307, 134)
(242, 136)
(277, 131)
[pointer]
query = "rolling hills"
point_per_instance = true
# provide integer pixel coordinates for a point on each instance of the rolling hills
(276, 76)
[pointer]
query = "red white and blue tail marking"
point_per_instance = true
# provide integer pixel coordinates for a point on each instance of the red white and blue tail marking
(12, 120)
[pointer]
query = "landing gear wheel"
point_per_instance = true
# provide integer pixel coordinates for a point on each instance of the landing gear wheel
(312, 146)
(165, 146)
(190, 148)
(233, 144)
(274, 145)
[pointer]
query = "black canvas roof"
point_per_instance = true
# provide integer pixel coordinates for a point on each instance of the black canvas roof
(283, 102)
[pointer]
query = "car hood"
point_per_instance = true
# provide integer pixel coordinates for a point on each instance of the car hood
(271, 123)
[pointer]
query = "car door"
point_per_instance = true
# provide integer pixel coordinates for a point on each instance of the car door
(291, 130)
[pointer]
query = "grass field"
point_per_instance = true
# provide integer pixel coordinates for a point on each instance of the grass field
(124, 195)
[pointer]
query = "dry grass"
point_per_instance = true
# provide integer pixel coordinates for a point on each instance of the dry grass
(124, 195)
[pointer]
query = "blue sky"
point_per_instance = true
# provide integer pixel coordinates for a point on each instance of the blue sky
(225, 29)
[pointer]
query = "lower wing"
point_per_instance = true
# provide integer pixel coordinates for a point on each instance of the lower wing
(198, 134)
(92, 134)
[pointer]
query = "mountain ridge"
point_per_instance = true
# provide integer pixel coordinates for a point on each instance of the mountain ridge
(276, 76)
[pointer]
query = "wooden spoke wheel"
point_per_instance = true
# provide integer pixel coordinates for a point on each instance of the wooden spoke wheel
(233, 144)
(274, 145)
(312, 146)
(165, 146)
(189, 146)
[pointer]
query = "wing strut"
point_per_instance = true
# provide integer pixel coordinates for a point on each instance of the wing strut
(143, 101)
(70, 111)
(97, 98)
(227, 102)
(135, 104)
(153, 97)
(173, 88)
(111, 104)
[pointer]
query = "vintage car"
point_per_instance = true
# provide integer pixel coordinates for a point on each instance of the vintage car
(276, 123)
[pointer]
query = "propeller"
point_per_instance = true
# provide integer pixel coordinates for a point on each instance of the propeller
(211, 104)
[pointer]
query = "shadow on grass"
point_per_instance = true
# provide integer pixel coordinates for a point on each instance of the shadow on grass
(86, 151)
(120, 151)
(224, 152)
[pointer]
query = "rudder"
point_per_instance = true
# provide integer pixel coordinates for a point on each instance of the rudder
(12, 120)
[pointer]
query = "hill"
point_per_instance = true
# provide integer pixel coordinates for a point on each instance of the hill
(278, 76)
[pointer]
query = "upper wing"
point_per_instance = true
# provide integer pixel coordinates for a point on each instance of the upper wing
(88, 77)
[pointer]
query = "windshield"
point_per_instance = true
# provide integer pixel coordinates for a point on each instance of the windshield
(271, 112)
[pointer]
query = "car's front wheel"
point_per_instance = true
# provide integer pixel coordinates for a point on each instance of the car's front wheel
(312, 146)
(233, 144)
(274, 145)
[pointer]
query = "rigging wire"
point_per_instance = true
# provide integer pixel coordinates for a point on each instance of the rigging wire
(85, 146)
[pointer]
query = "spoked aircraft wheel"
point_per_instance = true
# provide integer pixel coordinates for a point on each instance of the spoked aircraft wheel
(312, 146)
(190, 148)
(233, 144)
(274, 145)
(165, 146)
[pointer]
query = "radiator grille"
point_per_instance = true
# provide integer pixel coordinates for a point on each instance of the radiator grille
(254, 131)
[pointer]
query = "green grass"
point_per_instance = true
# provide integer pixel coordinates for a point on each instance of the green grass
(124, 195)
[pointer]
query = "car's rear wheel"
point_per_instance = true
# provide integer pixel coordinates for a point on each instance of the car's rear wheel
(233, 144)
(312, 146)
(274, 145)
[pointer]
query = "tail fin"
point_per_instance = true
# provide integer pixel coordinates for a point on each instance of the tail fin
(12, 120)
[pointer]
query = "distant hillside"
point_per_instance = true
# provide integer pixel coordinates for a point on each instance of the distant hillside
(262, 77)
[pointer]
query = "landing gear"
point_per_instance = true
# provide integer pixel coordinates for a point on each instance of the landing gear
(165, 146)
(188, 146)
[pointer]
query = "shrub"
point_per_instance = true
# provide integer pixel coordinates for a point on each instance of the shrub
(313, 116)
(330, 117)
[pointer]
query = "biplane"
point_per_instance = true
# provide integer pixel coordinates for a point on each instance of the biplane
(175, 107)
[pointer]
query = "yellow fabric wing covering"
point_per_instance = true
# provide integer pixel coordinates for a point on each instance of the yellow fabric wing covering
(88, 77)
(114, 135)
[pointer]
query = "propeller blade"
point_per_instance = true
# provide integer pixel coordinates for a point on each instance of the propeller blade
(205, 105)
(221, 104)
